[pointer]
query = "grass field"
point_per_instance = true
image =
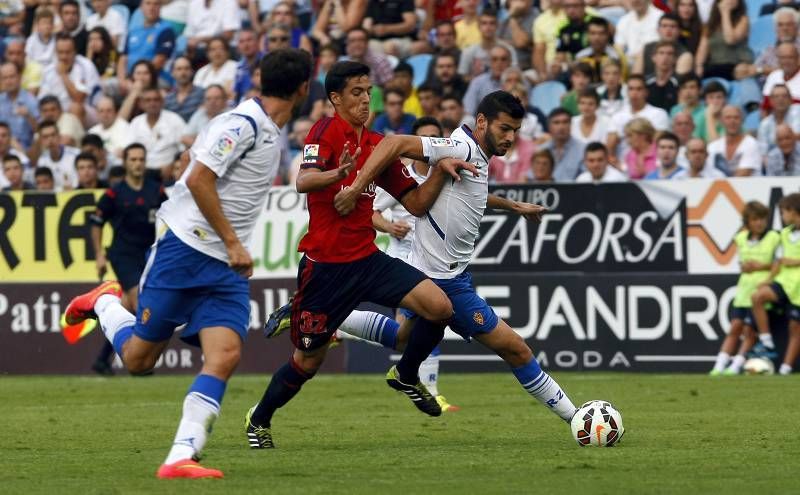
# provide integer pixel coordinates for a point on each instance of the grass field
(350, 434)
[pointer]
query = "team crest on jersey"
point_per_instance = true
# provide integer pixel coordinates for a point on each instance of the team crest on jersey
(435, 141)
(477, 317)
(145, 316)
(306, 341)
(223, 147)
(310, 152)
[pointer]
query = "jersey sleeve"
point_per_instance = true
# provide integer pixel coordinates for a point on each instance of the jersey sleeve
(165, 42)
(383, 200)
(105, 209)
(317, 151)
(434, 149)
(396, 180)
(224, 142)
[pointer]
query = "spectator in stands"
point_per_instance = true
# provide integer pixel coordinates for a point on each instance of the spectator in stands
(452, 115)
(517, 30)
(736, 153)
(277, 37)
(220, 68)
(403, 80)
(93, 144)
(18, 108)
(572, 35)
(12, 15)
(598, 169)
(667, 146)
(29, 70)
(154, 40)
(788, 72)
(445, 40)
(44, 179)
(467, 31)
(14, 175)
(208, 20)
(393, 120)
(247, 47)
(160, 132)
(10, 146)
(542, 166)
(101, 51)
(86, 170)
(429, 96)
(337, 19)
(545, 40)
(70, 13)
(110, 19)
(724, 41)
(72, 78)
(482, 85)
(786, 28)
(637, 107)
(783, 112)
(640, 158)
(58, 158)
(599, 49)
(392, 26)
(446, 77)
(41, 44)
(689, 88)
(662, 84)
(708, 126)
(637, 28)
(475, 58)
(514, 81)
(184, 98)
(514, 166)
(144, 75)
(668, 31)
(588, 126)
(690, 25)
(611, 92)
(70, 128)
(784, 159)
(328, 55)
(697, 157)
(580, 77)
(214, 103)
(566, 150)
(357, 50)
(283, 14)
(683, 127)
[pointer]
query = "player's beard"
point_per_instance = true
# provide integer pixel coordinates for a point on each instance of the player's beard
(494, 148)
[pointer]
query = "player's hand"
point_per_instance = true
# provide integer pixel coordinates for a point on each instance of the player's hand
(529, 211)
(101, 264)
(345, 201)
(347, 161)
(239, 259)
(454, 166)
(399, 229)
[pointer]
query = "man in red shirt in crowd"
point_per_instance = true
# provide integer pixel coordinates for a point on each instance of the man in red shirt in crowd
(342, 266)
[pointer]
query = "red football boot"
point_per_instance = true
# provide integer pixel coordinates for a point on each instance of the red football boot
(82, 307)
(186, 468)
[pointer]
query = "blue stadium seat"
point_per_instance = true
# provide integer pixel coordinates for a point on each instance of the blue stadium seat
(123, 11)
(762, 33)
(420, 64)
(745, 92)
(754, 10)
(137, 20)
(546, 96)
(752, 121)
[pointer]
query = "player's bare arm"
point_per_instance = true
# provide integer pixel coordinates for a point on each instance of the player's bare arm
(314, 179)
(202, 184)
(419, 200)
(527, 210)
(397, 229)
(100, 254)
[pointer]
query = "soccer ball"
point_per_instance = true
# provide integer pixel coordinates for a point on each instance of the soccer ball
(759, 366)
(597, 423)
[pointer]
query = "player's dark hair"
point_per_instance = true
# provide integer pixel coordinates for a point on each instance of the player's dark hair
(340, 73)
(714, 87)
(284, 71)
(669, 137)
(669, 16)
(133, 146)
(752, 210)
(43, 172)
(790, 202)
(595, 146)
(50, 99)
(85, 156)
(45, 124)
(11, 158)
(497, 102)
(685, 79)
(423, 121)
(558, 112)
(92, 140)
(598, 21)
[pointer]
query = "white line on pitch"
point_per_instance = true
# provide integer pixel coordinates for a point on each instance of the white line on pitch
(459, 357)
(674, 359)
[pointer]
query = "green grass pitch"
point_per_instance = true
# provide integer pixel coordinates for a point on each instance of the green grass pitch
(685, 434)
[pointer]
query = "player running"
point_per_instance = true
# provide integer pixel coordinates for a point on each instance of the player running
(341, 266)
(445, 237)
(756, 245)
(197, 269)
(130, 206)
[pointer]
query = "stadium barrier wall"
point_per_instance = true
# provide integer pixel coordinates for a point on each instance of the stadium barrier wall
(633, 276)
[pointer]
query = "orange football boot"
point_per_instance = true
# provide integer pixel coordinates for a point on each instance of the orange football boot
(187, 468)
(82, 307)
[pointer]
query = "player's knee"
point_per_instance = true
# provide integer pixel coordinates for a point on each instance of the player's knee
(440, 308)
(223, 361)
(140, 366)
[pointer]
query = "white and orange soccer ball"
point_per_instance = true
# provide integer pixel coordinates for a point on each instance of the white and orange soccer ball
(597, 423)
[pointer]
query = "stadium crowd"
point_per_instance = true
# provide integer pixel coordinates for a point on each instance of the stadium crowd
(615, 89)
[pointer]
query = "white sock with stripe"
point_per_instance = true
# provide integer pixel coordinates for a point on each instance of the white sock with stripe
(722, 361)
(737, 363)
(543, 388)
(199, 414)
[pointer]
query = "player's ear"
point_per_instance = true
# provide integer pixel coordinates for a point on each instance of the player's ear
(336, 98)
(481, 122)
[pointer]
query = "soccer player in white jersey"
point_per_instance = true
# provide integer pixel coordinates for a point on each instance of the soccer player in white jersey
(197, 269)
(445, 237)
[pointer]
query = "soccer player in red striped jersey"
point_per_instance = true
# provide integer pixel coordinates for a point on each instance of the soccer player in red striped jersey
(342, 266)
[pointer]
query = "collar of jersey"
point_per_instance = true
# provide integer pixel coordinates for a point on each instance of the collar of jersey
(468, 131)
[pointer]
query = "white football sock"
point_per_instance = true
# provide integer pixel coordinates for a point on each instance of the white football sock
(112, 315)
(370, 327)
(736, 363)
(722, 361)
(785, 369)
(549, 393)
(429, 374)
(766, 339)
(199, 414)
